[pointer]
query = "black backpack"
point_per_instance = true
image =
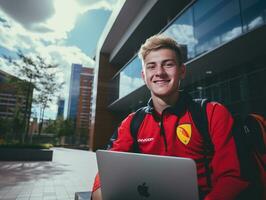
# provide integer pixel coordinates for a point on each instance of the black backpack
(249, 143)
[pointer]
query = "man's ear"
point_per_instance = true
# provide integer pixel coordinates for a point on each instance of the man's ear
(143, 76)
(183, 71)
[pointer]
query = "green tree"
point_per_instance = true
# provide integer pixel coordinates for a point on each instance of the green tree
(37, 73)
(67, 128)
(61, 127)
(51, 128)
(5, 129)
(46, 87)
(17, 122)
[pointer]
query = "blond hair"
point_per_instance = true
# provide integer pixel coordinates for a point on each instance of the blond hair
(157, 42)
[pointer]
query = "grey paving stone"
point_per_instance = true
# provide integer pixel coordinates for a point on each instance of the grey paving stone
(70, 171)
(35, 198)
(22, 198)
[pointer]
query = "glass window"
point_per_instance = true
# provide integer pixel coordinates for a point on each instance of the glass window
(216, 22)
(256, 84)
(130, 77)
(114, 89)
(225, 94)
(253, 13)
(216, 93)
(208, 93)
(182, 31)
(235, 90)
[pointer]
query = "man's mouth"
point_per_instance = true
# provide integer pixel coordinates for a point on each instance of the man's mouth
(161, 81)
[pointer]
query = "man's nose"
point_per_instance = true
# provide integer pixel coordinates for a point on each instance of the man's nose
(160, 70)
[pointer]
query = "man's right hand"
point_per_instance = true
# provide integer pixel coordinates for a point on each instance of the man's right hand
(97, 194)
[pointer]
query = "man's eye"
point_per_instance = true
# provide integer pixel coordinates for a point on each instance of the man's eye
(169, 64)
(150, 66)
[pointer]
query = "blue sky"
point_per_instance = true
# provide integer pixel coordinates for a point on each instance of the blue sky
(90, 34)
(61, 31)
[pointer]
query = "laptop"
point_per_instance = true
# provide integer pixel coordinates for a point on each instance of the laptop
(133, 176)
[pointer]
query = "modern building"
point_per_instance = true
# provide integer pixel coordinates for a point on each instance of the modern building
(225, 47)
(74, 91)
(84, 102)
(79, 105)
(60, 108)
(15, 96)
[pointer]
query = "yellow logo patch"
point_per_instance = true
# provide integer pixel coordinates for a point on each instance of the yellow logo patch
(183, 133)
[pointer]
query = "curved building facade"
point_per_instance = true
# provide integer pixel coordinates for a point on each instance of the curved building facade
(225, 47)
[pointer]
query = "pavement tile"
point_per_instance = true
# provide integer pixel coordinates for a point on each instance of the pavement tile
(50, 198)
(9, 198)
(35, 198)
(22, 198)
(70, 171)
(10, 195)
(21, 195)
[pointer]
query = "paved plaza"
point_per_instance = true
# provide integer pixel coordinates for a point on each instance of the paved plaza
(70, 171)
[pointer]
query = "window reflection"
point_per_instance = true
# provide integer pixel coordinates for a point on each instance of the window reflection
(216, 22)
(182, 31)
(130, 78)
(253, 13)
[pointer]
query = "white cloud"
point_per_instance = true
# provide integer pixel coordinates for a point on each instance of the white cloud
(231, 34)
(28, 13)
(29, 23)
(128, 84)
(184, 35)
(255, 22)
(50, 20)
(98, 4)
(4, 66)
(65, 56)
(14, 37)
(41, 28)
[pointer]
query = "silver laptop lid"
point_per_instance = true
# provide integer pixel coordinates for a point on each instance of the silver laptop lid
(141, 176)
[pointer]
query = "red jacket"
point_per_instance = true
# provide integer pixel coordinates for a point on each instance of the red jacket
(181, 138)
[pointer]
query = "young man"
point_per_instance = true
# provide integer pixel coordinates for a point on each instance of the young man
(162, 71)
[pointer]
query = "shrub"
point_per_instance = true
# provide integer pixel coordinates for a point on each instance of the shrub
(30, 146)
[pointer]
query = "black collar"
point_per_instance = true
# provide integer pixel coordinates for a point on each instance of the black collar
(178, 109)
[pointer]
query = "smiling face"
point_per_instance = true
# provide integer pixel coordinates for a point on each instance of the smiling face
(162, 73)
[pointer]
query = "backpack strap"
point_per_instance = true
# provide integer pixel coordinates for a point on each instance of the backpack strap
(254, 129)
(248, 138)
(136, 121)
(256, 126)
(197, 108)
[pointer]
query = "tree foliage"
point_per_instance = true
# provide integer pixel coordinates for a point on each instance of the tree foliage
(66, 127)
(46, 87)
(36, 72)
(61, 127)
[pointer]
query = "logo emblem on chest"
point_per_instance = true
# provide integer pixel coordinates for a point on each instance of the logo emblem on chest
(183, 133)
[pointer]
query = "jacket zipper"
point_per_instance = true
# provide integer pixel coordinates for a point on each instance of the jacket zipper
(162, 131)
